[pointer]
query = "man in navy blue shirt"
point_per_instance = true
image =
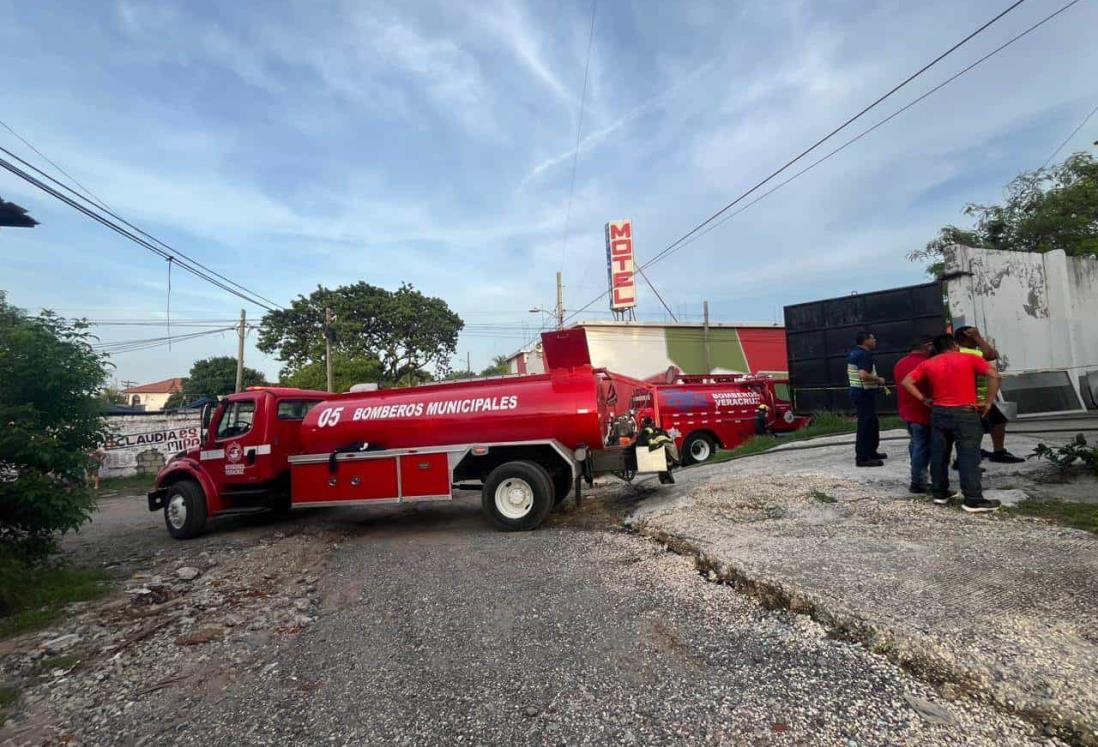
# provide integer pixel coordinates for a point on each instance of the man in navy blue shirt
(862, 376)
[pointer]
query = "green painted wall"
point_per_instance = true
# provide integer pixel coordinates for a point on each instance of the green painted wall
(686, 349)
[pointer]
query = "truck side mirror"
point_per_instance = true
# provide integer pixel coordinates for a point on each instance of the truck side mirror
(207, 415)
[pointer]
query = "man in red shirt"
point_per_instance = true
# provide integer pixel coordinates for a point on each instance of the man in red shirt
(915, 414)
(955, 418)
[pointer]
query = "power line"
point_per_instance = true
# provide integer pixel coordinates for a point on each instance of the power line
(187, 265)
(1069, 137)
(130, 346)
(579, 133)
(92, 197)
(671, 247)
(172, 253)
(868, 130)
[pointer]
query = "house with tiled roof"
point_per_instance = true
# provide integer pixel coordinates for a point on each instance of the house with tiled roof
(154, 396)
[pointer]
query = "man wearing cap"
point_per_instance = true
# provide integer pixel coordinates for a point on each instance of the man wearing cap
(971, 342)
(915, 414)
(862, 376)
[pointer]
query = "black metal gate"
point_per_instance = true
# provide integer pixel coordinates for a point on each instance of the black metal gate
(820, 334)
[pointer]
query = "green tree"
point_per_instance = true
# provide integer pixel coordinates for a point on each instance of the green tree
(347, 370)
(406, 331)
(52, 416)
(213, 377)
(458, 375)
(112, 396)
(501, 364)
(1046, 209)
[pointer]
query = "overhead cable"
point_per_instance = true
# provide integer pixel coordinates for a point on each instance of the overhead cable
(671, 247)
(186, 264)
(167, 252)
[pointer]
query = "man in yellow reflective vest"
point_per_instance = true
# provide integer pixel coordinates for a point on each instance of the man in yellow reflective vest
(861, 374)
(972, 342)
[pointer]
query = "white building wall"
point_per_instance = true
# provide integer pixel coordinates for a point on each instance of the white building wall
(1039, 310)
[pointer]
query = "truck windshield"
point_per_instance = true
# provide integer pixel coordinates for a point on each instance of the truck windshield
(237, 418)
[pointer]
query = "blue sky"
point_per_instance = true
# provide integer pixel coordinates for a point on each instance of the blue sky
(293, 144)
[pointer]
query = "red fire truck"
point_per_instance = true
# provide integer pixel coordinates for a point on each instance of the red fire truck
(710, 412)
(524, 441)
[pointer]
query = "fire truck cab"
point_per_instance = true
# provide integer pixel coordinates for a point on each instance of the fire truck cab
(242, 461)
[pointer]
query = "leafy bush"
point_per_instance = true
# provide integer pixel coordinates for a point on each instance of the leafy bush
(51, 420)
(1068, 454)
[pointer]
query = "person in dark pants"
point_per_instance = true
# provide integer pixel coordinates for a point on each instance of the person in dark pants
(955, 419)
(915, 415)
(864, 382)
(972, 342)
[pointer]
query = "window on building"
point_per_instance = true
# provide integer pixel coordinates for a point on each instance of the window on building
(237, 419)
(135, 401)
(295, 409)
(1041, 391)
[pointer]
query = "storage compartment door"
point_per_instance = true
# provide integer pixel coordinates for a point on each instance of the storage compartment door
(352, 480)
(424, 476)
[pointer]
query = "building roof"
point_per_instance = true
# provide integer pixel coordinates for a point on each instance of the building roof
(167, 386)
(679, 325)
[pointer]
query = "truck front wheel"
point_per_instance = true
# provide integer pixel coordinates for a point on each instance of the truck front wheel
(185, 509)
(517, 496)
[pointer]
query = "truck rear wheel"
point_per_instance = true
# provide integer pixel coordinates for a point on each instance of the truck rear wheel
(185, 509)
(517, 496)
(698, 448)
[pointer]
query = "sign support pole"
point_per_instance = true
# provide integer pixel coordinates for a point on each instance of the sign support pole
(240, 356)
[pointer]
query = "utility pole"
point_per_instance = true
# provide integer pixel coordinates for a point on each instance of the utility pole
(328, 346)
(708, 362)
(468, 362)
(560, 303)
(240, 356)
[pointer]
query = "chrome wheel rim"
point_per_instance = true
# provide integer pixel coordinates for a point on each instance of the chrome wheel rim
(514, 498)
(700, 450)
(177, 511)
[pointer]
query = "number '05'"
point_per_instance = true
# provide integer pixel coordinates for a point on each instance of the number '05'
(330, 416)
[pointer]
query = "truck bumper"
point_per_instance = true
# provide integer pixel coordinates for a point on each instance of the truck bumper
(158, 498)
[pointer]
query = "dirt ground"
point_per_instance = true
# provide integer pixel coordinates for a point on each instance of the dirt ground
(426, 625)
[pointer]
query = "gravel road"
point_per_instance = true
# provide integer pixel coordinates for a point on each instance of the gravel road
(427, 626)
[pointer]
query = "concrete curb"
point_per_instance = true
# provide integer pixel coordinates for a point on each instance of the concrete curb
(920, 654)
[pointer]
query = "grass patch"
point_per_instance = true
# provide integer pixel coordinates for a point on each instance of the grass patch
(823, 497)
(1077, 515)
(34, 596)
(132, 483)
(9, 696)
(823, 424)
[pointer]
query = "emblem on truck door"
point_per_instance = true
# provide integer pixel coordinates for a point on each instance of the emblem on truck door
(233, 454)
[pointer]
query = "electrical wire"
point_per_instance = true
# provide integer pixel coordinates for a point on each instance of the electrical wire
(165, 253)
(671, 247)
(130, 346)
(579, 133)
(91, 196)
(1069, 137)
(887, 119)
(94, 215)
